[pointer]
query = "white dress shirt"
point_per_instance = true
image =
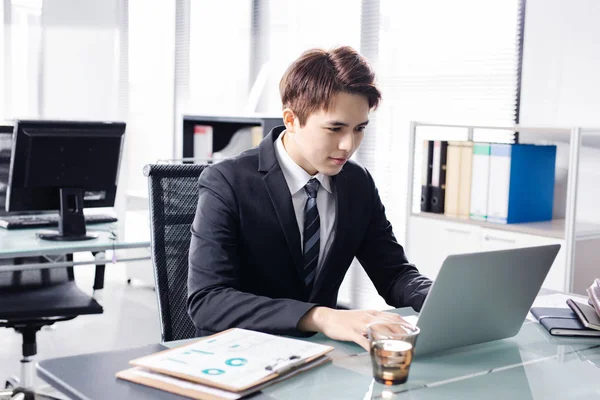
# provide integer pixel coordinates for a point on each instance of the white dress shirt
(296, 178)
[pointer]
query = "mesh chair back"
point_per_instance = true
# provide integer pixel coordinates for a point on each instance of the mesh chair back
(173, 201)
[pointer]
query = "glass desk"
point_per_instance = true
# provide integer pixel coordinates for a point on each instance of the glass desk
(23, 243)
(531, 365)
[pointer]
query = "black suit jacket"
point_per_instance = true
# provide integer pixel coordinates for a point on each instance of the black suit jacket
(245, 260)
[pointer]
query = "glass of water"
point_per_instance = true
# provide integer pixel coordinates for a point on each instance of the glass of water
(392, 345)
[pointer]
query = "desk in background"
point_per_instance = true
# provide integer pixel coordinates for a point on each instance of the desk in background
(20, 243)
(531, 365)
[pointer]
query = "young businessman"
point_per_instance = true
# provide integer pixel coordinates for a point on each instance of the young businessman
(278, 226)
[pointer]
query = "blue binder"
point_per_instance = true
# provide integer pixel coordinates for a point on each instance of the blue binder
(521, 185)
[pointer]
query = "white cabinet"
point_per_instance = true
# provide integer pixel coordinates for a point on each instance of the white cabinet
(556, 278)
(431, 240)
(496, 239)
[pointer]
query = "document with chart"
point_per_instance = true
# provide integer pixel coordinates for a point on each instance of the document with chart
(235, 360)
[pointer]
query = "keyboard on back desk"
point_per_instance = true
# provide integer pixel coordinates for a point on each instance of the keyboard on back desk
(47, 220)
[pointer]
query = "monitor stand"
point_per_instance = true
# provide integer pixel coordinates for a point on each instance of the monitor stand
(71, 225)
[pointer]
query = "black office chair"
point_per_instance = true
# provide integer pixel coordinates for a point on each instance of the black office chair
(32, 299)
(173, 200)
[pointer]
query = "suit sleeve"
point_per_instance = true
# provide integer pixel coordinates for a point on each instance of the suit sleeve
(215, 301)
(384, 260)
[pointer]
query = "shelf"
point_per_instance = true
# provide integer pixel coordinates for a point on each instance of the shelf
(242, 119)
(553, 229)
(584, 235)
(224, 127)
(514, 128)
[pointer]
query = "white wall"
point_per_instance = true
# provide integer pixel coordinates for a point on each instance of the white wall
(219, 57)
(561, 60)
(22, 46)
(80, 59)
(151, 87)
(561, 87)
(3, 28)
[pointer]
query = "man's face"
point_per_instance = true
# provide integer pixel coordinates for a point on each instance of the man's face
(329, 138)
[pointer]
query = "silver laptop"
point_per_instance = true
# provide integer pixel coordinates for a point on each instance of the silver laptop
(482, 297)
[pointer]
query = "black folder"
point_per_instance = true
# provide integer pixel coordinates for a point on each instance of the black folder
(438, 176)
(426, 175)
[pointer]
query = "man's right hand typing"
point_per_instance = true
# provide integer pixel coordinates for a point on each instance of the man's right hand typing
(346, 325)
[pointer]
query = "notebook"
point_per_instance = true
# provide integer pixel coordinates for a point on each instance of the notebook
(586, 314)
(562, 322)
(229, 365)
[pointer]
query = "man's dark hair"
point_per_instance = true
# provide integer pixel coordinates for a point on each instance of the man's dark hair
(313, 80)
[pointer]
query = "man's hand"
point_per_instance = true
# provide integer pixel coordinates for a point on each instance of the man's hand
(348, 325)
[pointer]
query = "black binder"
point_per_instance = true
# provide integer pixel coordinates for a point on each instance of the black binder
(438, 176)
(426, 175)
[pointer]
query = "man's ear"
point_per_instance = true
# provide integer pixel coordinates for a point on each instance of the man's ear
(288, 120)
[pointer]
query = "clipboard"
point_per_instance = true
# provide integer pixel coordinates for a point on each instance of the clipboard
(245, 360)
(202, 392)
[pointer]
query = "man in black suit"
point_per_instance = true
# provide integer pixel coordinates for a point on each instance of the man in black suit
(277, 227)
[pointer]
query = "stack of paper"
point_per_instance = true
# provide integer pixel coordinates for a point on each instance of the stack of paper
(229, 365)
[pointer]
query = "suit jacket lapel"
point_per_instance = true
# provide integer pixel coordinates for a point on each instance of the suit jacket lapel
(281, 198)
(342, 224)
(284, 208)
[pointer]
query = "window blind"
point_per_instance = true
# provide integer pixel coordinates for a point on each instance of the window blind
(123, 84)
(437, 61)
(182, 72)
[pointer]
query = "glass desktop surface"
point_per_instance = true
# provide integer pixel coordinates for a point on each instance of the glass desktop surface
(531, 365)
(25, 243)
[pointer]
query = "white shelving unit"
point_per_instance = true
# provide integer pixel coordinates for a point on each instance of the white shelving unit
(431, 237)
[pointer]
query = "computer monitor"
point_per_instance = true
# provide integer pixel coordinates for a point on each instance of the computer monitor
(65, 166)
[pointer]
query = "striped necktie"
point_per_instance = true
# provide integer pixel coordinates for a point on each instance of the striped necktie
(312, 232)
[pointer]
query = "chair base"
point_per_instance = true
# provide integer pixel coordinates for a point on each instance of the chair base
(22, 388)
(13, 390)
(12, 382)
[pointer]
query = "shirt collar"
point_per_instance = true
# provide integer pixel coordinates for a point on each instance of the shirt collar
(295, 176)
